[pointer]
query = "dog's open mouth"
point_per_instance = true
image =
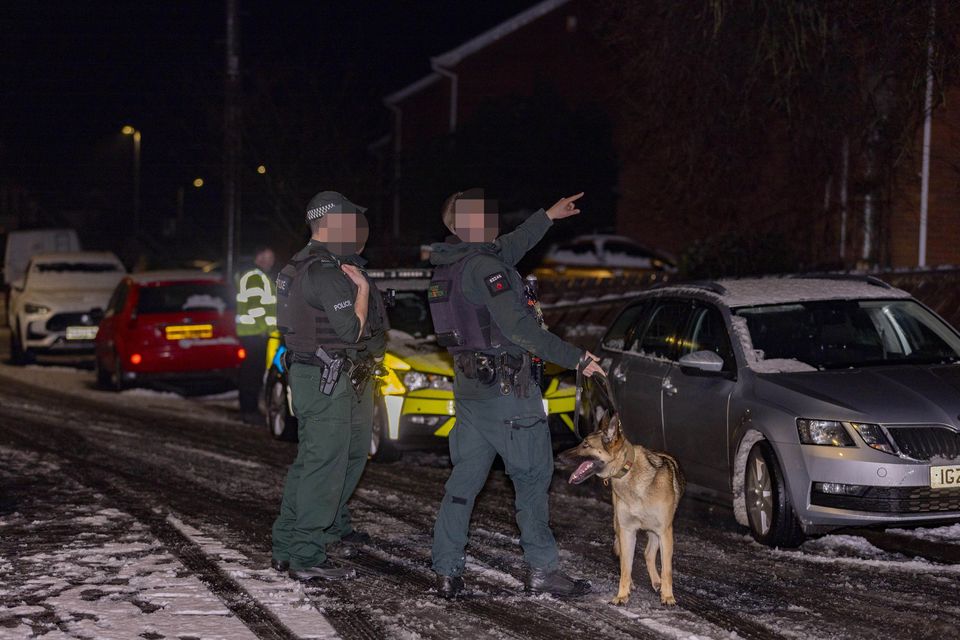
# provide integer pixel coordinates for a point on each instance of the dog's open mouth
(585, 469)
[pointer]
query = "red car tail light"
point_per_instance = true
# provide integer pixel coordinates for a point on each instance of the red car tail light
(136, 358)
(242, 353)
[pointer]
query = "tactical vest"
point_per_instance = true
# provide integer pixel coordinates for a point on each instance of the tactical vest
(303, 326)
(459, 324)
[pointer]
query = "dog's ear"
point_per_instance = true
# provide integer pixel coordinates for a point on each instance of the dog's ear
(599, 413)
(611, 431)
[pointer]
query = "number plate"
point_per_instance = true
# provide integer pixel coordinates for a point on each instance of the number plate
(81, 333)
(188, 331)
(945, 477)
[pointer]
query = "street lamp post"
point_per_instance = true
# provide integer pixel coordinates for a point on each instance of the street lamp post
(131, 131)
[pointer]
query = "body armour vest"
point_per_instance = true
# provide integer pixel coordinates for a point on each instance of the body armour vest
(460, 325)
(303, 326)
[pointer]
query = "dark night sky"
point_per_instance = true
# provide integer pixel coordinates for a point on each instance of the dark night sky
(73, 72)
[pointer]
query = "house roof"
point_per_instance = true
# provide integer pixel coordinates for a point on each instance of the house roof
(485, 39)
(455, 56)
(411, 89)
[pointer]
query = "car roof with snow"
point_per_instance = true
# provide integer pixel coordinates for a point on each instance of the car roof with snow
(748, 292)
(175, 275)
(76, 257)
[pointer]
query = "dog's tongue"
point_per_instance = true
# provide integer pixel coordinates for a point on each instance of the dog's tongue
(580, 472)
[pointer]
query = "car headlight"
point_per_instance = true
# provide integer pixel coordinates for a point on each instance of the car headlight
(414, 380)
(35, 309)
(874, 436)
(823, 432)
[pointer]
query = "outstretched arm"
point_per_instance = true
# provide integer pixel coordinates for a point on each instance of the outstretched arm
(514, 245)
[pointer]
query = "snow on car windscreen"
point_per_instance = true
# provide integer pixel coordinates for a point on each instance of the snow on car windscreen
(833, 334)
(184, 297)
(65, 274)
(76, 267)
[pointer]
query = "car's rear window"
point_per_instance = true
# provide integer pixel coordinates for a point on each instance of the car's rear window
(172, 298)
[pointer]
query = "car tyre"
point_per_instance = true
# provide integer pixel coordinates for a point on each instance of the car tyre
(103, 376)
(117, 381)
(281, 424)
(382, 449)
(770, 514)
(19, 355)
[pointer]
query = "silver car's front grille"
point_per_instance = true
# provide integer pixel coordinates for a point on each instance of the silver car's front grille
(926, 442)
(892, 500)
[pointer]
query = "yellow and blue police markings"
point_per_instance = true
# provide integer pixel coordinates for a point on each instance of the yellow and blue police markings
(419, 389)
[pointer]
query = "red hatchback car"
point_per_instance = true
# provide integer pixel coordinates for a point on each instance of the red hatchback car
(168, 325)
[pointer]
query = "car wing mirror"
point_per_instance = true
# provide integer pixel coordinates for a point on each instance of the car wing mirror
(702, 361)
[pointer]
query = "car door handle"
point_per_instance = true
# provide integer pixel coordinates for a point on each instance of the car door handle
(619, 375)
(669, 388)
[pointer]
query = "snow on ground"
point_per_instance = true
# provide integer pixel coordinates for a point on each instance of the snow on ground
(75, 569)
(283, 596)
(75, 377)
(857, 551)
(949, 534)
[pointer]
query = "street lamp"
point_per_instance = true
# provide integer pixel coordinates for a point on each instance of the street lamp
(128, 130)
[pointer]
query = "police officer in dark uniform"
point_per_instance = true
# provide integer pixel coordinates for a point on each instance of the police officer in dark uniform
(480, 313)
(332, 320)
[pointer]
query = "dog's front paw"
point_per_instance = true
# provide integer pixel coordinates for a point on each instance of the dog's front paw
(656, 586)
(620, 600)
(669, 601)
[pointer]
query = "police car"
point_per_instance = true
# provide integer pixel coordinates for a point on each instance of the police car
(414, 406)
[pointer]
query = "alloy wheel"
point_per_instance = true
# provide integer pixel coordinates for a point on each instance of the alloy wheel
(759, 493)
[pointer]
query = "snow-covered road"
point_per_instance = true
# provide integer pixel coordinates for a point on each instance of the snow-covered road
(144, 515)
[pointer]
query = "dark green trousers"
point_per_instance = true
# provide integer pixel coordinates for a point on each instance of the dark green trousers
(515, 428)
(334, 435)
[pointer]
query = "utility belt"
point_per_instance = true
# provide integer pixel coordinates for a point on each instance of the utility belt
(514, 373)
(359, 369)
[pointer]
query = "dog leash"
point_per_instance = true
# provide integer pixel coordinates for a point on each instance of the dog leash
(605, 391)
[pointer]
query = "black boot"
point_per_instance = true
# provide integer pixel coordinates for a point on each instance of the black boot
(356, 537)
(279, 565)
(325, 571)
(349, 545)
(556, 582)
(449, 586)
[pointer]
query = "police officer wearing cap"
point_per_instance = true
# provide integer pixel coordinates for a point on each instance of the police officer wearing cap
(332, 320)
(481, 314)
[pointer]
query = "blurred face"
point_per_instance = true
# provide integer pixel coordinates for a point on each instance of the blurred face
(265, 259)
(476, 220)
(343, 233)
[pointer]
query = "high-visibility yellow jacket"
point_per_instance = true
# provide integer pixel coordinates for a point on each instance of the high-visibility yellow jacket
(256, 304)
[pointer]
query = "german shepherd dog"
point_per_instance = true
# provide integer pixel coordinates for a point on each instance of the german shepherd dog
(646, 490)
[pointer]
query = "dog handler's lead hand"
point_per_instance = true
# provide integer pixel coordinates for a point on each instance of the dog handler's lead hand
(592, 365)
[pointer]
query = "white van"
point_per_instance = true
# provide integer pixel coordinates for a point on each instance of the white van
(23, 245)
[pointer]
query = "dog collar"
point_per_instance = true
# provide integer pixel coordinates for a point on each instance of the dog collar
(628, 463)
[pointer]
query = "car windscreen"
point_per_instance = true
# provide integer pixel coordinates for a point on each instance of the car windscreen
(173, 298)
(833, 334)
(66, 274)
(411, 314)
(75, 267)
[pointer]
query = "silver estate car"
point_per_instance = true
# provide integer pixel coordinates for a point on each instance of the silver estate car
(809, 403)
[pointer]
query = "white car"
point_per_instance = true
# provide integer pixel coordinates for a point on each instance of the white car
(603, 256)
(57, 305)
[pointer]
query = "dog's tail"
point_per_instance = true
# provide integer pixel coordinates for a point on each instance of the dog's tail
(679, 481)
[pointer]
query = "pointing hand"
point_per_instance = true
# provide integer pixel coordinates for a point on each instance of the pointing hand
(564, 208)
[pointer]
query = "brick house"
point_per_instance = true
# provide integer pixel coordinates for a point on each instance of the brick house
(552, 43)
